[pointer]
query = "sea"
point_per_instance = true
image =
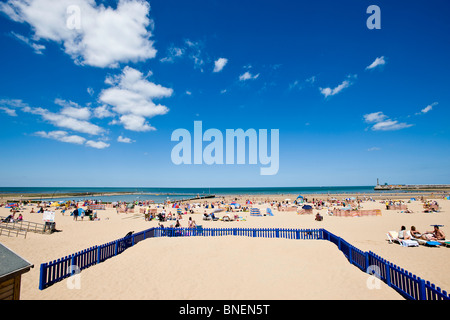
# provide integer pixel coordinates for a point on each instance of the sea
(159, 195)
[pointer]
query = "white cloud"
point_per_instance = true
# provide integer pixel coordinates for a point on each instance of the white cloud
(13, 103)
(311, 79)
(219, 64)
(331, 92)
(374, 149)
(36, 47)
(73, 110)
(247, 76)
(374, 117)
(65, 121)
(134, 122)
(427, 108)
(173, 53)
(97, 144)
(124, 139)
(189, 49)
(91, 34)
(9, 106)
(102, 112)
(390, 125)
(378, 62)
(9, 111)
(132, 97)
(62, 136)
(381, 122)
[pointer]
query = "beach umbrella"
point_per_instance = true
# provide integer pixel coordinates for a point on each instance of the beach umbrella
(54, 204)
(307, 207)
(300, 197)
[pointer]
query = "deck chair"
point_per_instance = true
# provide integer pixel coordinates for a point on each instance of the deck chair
(393, 238)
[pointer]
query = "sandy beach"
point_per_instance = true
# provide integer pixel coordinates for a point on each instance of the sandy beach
(233, 267)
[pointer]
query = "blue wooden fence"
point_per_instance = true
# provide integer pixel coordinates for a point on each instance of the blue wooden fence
(408, 285)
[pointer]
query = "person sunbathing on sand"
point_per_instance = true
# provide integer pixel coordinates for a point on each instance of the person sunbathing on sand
(436, 234)
(415, 233)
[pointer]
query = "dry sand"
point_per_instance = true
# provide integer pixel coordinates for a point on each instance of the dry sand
(231, 267)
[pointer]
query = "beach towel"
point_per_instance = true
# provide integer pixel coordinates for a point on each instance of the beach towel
(432, 244)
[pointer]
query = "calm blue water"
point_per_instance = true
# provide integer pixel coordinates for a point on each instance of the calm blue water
(161, 194)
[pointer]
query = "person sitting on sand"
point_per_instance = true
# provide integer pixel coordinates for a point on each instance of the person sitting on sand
(319, 217)
(436, 234)
(20, 217)
(191, 223)
(404, 234)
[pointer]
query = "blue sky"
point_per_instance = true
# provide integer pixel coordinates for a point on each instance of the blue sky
(95, 103)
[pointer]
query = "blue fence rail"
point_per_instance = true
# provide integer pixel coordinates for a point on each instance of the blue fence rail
(408, 285)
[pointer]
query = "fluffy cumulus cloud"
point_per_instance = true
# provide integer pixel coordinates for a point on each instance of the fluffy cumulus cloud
(129, 101)
(219, 64)
(92, 34)
(131, 96)
(381, 122)
(377, 62)
(124, 139)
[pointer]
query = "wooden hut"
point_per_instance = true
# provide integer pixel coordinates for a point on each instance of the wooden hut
(12, 266)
